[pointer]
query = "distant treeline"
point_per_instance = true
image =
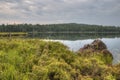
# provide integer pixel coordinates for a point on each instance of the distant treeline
(71, 27)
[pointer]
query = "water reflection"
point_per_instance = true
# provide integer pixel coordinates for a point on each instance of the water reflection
(72, 36)
(77, 40)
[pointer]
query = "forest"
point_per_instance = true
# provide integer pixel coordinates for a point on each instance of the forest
(56, 28)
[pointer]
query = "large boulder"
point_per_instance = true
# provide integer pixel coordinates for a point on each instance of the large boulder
(96, 46)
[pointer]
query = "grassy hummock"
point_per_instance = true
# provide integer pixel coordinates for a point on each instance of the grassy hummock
(34, 59)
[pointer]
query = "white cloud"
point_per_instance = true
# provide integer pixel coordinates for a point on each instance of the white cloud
(87, 11)
(6, 8)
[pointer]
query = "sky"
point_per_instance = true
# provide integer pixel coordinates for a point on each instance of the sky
(101, 12)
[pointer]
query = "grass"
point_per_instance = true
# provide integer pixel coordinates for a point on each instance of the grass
(34, 59)
(13, 34)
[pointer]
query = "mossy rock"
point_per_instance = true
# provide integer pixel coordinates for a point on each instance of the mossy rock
(97, 47)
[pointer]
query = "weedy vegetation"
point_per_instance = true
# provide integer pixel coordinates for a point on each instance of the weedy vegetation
(34, 59)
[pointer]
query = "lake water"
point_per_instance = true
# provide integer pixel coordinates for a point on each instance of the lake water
(77, 40)
(113, 45)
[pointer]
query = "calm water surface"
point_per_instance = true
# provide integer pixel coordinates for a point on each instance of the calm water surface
(77, 40)
(113, 45)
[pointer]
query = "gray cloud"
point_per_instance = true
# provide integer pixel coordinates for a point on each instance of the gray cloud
(106, 12)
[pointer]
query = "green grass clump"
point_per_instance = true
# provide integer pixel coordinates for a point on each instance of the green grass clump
(34, 59)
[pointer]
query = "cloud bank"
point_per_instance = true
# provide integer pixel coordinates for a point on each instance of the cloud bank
(105, 12)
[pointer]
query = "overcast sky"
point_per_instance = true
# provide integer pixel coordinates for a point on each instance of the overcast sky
(103, 12)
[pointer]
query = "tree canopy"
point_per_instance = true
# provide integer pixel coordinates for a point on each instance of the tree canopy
(70, 27)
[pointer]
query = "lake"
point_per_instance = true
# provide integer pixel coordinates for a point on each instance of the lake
(113, 45)
(76, 40)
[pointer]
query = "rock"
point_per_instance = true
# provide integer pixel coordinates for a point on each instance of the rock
(106, 52)
(86, 46)
(96, 46)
